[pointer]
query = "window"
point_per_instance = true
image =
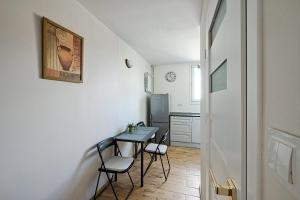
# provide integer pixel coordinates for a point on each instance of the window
(217, 20)
(195, 83)
(218, 79)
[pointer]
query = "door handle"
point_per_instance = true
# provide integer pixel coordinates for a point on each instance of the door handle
(228, 189)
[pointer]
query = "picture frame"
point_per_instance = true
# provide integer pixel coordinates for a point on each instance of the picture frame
(62, 53)
(148, 83)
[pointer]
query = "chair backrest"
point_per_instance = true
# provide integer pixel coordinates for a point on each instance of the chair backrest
(164, 137)
(141, 124)
(104, 144)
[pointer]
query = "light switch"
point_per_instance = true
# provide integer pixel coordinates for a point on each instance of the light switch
(272, 156)
(284, 159)
(284, 162)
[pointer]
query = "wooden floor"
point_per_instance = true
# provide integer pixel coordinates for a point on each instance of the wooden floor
(183, 182)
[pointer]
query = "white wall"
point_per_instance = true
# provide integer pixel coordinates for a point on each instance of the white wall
(49, 127)
(180, 90)
(281, 80)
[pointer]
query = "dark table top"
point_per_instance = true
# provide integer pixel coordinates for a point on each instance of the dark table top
(185, 114)
(141, 134)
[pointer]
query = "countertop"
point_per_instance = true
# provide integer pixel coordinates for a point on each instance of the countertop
(185, 114)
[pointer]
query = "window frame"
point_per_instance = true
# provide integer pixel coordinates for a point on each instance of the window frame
(194, 102)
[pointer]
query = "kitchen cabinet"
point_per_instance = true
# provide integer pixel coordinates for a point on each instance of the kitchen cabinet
(185, 129)
(181, 129)
(196, 130)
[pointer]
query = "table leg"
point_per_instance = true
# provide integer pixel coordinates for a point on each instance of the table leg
(116, 154)
(142, 164)
(135, 150)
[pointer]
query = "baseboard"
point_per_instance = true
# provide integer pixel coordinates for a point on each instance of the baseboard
(183, 144)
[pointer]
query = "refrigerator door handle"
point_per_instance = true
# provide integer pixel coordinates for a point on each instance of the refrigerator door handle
(150, 119)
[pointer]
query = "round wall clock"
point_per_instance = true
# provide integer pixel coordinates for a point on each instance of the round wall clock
(170, 76)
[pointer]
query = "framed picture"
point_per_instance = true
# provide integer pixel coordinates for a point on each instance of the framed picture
(148, 82)
(62, 53)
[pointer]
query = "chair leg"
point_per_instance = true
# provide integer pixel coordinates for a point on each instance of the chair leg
(168, 164)
(131, 187)
(113, 178)
(130, 179)
(150, 163)
(97, 185)
(112, 187)
(162, 165)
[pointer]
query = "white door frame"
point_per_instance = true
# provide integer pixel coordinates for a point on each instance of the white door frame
(205, 118)
(254, 99)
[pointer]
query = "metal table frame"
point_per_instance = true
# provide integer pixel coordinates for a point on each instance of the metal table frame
(141, 135)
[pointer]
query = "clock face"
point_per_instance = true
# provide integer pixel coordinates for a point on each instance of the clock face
(170, 76)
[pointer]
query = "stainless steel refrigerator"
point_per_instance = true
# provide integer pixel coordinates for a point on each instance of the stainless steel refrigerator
(159, 114)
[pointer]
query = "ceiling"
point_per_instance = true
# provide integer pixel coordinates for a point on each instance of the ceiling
(162, 31)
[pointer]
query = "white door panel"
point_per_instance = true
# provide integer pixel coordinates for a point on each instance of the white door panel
(227, 106)
(219, 165)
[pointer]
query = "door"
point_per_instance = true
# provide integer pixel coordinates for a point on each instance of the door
(227, 105)
(159, 108)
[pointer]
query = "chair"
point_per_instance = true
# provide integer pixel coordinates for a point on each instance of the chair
(160, 149)
(140, 124)
(116, 164)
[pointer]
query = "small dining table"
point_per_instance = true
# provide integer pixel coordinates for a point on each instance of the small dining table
(140, 135)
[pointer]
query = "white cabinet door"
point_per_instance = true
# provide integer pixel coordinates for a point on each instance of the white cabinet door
(181, 138)
(181, 129)
(196, 130)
